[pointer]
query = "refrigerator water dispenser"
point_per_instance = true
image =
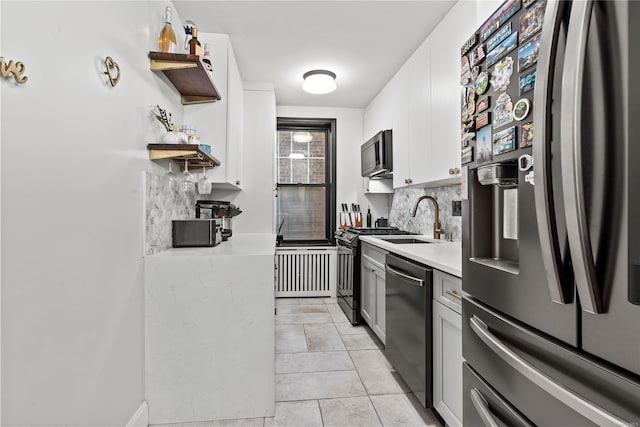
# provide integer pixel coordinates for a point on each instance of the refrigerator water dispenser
(495, 207)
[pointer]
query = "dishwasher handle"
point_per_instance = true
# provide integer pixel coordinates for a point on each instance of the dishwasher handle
(418, 282)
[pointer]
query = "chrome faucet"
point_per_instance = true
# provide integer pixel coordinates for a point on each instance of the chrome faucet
(437, 228)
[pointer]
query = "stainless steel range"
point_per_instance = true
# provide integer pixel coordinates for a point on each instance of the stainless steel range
(349, 266)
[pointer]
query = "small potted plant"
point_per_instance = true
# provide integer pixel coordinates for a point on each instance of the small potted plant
(171, 137)
(279, 236)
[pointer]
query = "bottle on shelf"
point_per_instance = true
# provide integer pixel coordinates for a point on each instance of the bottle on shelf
(206, 59)
(194, 44)
(188, 25)
(369, 217)
(167, 38)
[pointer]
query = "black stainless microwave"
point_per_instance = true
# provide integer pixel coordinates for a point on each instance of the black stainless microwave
(376, 156)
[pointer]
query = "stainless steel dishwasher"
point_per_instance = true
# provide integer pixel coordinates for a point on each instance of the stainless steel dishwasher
(408, 310)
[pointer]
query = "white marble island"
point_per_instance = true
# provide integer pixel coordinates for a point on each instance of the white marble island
(210, 331)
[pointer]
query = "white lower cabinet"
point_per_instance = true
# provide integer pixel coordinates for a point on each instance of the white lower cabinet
(447, 351)
(373, 289)
(367, 290)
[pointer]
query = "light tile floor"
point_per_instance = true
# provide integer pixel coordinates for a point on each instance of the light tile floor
(330, 373)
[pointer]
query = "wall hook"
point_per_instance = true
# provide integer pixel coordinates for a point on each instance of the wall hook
(15, 68)
(111, 66)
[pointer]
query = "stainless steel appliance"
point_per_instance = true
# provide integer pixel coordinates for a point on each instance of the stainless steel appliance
(376, 156)
(223, 210)
(196, 232)
(349, 248)
(408, 316)
(551, 235)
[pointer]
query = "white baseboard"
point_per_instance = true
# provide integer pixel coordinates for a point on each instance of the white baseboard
(141, 417)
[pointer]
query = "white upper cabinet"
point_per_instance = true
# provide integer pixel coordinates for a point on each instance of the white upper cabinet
(411, 120)
(425, 96)
(220, 124)
(235, 122)
(378, 114)
(420, 116)
(378, 117)
(399, 86)
(446, 41)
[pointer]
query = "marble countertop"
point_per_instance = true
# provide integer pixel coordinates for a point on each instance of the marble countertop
(238, 244)
(441, 255)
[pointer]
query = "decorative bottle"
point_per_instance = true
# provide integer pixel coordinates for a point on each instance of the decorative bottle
(206, 59)
(167, 38)
(194, 44)
(369, 217)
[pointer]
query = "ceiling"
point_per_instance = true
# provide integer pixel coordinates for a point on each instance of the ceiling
(363, 42)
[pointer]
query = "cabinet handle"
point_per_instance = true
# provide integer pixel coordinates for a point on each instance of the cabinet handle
(455, 295)
(454, 171)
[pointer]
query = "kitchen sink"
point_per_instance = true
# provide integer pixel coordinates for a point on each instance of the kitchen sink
(399, 240)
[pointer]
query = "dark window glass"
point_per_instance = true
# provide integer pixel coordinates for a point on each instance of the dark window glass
(303, 211)
(305, 180)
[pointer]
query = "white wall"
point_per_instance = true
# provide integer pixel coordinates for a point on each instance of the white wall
(73, 157)
(484, 10)
(349, 138)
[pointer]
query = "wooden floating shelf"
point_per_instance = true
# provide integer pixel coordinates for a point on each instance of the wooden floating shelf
(188, 75)
(195, 156)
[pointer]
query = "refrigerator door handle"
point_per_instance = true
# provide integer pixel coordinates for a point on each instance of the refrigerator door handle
(482, 408)
(542, 96)
(573, 188)
(574, 401)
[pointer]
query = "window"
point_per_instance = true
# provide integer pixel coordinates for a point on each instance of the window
(305, 167)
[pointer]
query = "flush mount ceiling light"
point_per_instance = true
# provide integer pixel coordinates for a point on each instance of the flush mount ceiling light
(319, 82)
(302, 137)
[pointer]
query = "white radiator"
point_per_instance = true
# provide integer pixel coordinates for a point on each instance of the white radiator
(306, 272)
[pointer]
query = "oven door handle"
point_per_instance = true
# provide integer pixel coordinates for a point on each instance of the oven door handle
(419, 282)
(345, 249)
(587, 409)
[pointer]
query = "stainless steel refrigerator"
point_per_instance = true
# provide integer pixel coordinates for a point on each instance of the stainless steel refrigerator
(551, 224)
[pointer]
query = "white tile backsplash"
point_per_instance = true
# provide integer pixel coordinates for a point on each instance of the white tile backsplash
(405, 198)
